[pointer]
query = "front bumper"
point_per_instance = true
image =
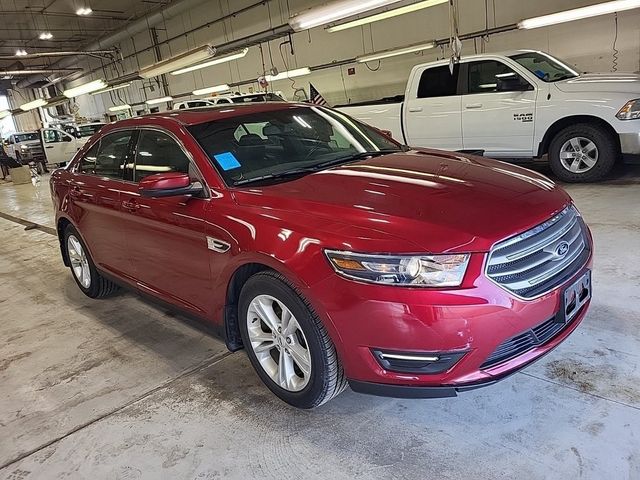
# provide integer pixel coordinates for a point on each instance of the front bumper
(475, 320)
(630, 143)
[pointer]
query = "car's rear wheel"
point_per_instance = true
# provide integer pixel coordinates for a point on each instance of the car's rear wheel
(287, 343)
(582, 153)
(82, 267)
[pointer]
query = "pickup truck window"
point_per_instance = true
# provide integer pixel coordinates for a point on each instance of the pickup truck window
(484, 76)
(438, 82)
(544, 66)
(26, 137)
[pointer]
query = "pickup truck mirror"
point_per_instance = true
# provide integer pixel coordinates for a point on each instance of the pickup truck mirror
(170, 184)
(513, 83)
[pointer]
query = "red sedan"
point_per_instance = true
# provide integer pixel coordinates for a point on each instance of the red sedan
(331, 253)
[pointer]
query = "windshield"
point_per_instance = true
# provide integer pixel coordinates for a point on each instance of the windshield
(88, 130)
(250, 147)
(545, 67)
(26, 137)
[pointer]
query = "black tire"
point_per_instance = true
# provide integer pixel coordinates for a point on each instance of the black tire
(99, 286)
(19, 158)
(327, 378)
(607, 153)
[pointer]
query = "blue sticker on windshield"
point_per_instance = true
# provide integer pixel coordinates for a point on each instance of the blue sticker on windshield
(227, 161)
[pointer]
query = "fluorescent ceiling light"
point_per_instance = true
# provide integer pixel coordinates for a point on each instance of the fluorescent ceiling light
(111, 89)
(290, 74)
(21, 52)
(210, 63)
(45, 36)
(395, 52)
(153, 101)
(40, 102)
(84, 11)
(579, 13)
(4, 113)
(119, 108)
(388, 14)
(216, 89)
(85, 88)
(179, 61)
(334, 11)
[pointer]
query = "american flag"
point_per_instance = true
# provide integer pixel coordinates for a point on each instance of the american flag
(315, 96)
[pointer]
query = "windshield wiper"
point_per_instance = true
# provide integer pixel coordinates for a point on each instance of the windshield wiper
(318, 166)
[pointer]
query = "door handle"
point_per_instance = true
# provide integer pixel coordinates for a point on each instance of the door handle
(131, 206)
(415, 109)
(50, 146)
(473, 105)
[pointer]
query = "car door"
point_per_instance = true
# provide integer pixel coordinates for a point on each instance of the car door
(432, 110)
(94, 194)
(59, 146)
(166, 237)
(499, 122)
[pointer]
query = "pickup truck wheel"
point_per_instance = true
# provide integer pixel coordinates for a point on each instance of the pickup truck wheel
(287, 343)
(582, 153)
(84, 271)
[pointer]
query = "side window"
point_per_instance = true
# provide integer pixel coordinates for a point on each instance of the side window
(54, 136)
(158, 153)
(438, 82)
(110, 158)
(182, 106)
(483, 76)
(88, 163)
(224, 100)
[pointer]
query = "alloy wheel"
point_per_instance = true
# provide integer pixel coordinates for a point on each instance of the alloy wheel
(579, 155)
(279, 343)
(79, 261)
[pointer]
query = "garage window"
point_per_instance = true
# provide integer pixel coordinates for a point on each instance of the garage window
(438, 82)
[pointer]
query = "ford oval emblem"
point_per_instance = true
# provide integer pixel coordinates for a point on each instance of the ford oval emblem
(562, 249)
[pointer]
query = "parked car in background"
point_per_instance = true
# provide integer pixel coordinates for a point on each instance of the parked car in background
(59, 146)
(229, 99)
(25, 147)
(331, 253)
(517, 105)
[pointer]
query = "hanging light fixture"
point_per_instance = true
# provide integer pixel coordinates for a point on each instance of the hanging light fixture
(179, 61)
(298, 72)
(85, 88)
(210, 63)
(120, 108)
(216, 89)
(395, 52)
(45, 36)
(579, 13)
(334, 11)
(83, 11)
(111, 88)
(155, 101)
(40, 102)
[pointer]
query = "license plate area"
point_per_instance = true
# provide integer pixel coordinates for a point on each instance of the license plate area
(575, 296)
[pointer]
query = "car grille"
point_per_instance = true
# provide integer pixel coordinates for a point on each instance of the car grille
(538, 260)
(524, 342)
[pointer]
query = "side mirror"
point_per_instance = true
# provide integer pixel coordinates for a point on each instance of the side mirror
(170, 184)
(513, 83)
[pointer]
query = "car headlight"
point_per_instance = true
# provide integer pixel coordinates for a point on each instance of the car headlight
(630, 111)
(401, 270)
(24, 147)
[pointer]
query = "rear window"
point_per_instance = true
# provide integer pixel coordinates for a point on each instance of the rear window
(438, 82)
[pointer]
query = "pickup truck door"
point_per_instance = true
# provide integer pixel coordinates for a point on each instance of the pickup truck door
(59, 146)
(498, 109)
(432, 115)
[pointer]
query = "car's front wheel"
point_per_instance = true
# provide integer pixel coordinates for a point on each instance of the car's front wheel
(287, 343)
(82, 267)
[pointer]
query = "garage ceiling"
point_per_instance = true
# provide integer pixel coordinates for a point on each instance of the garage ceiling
(24, 20)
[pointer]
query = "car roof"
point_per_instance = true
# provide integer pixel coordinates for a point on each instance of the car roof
(207, 114)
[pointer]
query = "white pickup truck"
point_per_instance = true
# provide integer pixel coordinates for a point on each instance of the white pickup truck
(517, 105)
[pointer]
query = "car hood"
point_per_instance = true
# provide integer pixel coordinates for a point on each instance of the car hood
(602, 82)
(430, 201)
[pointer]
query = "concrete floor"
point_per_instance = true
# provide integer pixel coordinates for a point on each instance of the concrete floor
(121, 389)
